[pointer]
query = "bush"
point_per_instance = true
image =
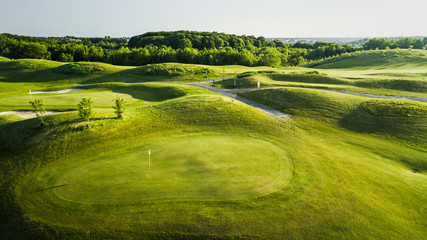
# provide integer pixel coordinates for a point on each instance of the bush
(39, 109)
(119, 106)
(85, 108)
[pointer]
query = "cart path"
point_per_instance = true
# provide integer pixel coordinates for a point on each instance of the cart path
(229, 93)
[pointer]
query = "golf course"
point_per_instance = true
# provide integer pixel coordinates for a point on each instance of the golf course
(191, 159)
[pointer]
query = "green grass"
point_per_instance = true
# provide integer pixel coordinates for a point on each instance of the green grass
(344, 167)
(102, 95)
(398, 119)
(379, 59)
(415, 86)
(216, 167)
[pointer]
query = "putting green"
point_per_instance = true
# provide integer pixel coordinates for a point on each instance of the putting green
(188, 167)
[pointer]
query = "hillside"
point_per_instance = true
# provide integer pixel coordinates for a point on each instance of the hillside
(377, 59)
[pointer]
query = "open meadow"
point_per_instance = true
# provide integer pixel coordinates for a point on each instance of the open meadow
(344, 166)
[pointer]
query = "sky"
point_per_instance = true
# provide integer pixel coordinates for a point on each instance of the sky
(268, 18)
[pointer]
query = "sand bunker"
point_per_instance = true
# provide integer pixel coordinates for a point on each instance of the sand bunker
(25, 114)
(59, 91)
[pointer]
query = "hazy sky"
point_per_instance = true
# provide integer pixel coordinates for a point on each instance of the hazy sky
(269, 18)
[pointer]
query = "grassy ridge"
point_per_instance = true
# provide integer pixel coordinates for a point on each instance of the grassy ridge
(396, 118)
(377, 59)
(415, 86)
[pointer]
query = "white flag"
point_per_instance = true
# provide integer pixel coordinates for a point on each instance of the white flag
(149, 153)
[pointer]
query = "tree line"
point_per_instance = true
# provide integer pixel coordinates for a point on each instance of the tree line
(210, 48)
(383, 43)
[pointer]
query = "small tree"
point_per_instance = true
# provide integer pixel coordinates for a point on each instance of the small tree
(397, 51)
(410, 49)
(119, 106)
(39, 109)
(85, 108)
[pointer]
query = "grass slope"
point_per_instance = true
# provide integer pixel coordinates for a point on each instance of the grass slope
(379, 59)
(399, 119)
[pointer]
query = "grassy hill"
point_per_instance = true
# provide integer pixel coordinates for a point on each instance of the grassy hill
(344, 167)
(377, 59)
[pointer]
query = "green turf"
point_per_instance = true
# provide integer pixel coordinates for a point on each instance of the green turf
(371, 72)
(358, 164)
(215, 167)
(378, 59)
(102, 95)
(398, 119)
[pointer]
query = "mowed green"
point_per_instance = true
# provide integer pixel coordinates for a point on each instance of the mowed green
(214, 167)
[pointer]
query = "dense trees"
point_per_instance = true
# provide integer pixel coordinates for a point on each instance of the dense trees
(382, 43)
(210, 48)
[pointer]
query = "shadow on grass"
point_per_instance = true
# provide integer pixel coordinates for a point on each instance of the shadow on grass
(411, 130)
(150, 93)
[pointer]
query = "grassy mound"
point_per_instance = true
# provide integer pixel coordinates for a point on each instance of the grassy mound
(83, 68)
(380, 59)
(27, 65)
(175, 69)
(397, 84)
(402, 120)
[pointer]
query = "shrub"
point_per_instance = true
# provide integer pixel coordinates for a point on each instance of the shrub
(85, 108)
(39, 109)
(119, 106)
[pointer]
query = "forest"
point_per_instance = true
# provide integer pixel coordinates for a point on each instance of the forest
(209, 48)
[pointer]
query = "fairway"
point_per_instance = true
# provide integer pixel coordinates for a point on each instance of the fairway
(184, 167)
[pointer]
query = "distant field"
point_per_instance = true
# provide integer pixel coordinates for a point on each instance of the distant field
(342, 167)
